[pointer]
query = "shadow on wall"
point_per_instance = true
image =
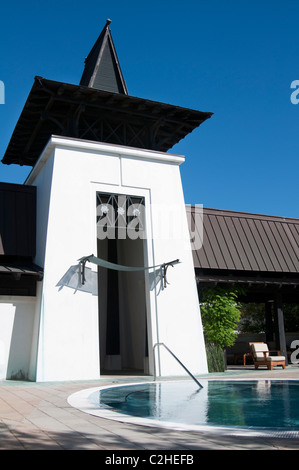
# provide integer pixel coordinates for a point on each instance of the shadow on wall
(72, 279)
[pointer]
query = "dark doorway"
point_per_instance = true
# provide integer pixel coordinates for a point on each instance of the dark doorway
(122, 298)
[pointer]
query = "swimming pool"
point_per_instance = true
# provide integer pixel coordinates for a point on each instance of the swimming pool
(259, 407)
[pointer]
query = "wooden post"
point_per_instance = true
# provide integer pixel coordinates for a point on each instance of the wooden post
(281, 330)
(269, 321)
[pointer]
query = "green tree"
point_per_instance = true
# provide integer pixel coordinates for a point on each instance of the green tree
(252, 318)
(220, 315)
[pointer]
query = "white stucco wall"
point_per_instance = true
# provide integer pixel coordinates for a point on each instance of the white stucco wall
(68, 175)
(17, 319)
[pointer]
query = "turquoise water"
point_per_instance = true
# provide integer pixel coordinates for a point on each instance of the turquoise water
(258, 404)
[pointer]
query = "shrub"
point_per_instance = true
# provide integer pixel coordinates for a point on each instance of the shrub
(215, 358)
(220, 316)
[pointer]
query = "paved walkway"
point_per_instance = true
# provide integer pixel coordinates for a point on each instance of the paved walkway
(37, 416)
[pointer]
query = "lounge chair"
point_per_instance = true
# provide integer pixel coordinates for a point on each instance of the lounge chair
(261, 356)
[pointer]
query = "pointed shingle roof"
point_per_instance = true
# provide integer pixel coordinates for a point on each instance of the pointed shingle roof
(102, 69)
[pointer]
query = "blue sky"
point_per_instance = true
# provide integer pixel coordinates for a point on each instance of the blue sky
(235, 58)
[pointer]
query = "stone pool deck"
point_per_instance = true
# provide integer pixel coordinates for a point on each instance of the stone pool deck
(37, 416)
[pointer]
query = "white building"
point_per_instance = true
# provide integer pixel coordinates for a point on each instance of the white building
(102, 183)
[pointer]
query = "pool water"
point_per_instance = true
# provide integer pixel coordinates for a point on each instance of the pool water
(259, 404)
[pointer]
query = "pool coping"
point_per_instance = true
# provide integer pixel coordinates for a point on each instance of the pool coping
(80, 401)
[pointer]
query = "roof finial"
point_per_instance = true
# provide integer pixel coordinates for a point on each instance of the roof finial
(102, 69)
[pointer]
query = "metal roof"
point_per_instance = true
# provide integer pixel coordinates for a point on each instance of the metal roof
(239, 241)
(17, 220)
(18, 273)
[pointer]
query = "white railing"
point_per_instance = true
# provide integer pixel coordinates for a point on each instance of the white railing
(184, 367)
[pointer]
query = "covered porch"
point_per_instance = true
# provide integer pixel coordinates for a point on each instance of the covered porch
(261, 254)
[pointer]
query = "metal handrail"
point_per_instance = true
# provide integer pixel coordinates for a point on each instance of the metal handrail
(184, 367)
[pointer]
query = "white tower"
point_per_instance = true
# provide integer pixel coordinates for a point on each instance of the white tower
(107, 186)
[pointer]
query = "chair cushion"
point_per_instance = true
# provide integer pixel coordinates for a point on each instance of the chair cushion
(276, 358)
(259, 349)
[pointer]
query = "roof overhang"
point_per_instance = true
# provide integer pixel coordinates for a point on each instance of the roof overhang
(258, 286)
(19, 277)
(56, 108)
(265, 279)
(18, 268)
